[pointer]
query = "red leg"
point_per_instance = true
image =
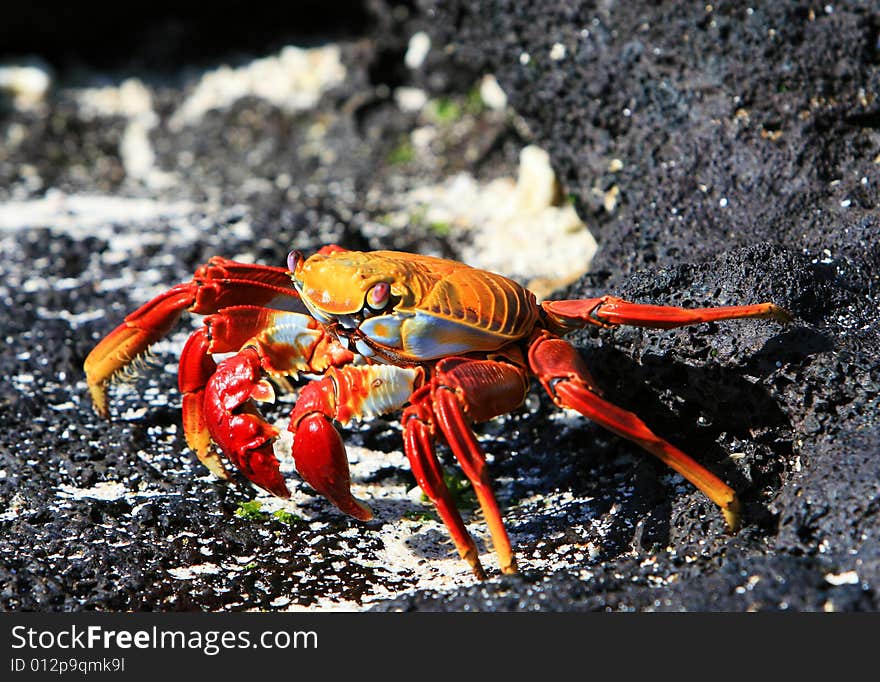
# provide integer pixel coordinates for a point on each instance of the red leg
(345, 393)
(320, 458)
(609, 311)
(470, 456)
(194, 370)
(218, 284)
(287, 343)
(563, 374)
(466, 390)
(418, 443)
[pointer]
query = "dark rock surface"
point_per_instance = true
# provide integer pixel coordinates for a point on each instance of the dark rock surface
(719, 155)
(749, 171)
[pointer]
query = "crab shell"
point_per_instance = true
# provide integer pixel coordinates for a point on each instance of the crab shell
(430, 308)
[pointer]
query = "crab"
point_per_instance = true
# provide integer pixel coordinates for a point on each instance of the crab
(446, 344)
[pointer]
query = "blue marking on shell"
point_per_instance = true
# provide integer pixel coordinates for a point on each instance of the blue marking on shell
(384, 329)
(428, 337)
(423, 336)
(288, 304)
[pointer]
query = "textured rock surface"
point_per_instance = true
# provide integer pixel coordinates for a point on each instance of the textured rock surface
(719, 155)
(744, 145)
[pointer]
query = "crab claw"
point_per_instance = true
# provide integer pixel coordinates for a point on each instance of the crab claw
(129, 340)
(236, 426)
(319, 454)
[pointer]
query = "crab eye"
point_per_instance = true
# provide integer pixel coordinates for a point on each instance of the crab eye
(294, 258)
(379, 295)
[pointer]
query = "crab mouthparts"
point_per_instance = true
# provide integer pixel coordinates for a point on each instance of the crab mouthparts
(348, 321)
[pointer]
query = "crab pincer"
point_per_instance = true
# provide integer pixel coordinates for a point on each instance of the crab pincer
(320, 458)
(350, 392)
(236, 426)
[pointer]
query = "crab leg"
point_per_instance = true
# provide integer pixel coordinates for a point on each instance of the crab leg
(194, 370)
(218, 284)
(563, 374)
(343, 394)
(418, 443)
(141, 329)
(609, 311)
(472, 459)
(463, 391)
(236, 426)
(287, 343)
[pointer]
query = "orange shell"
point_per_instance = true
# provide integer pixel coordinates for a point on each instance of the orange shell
(336, 283)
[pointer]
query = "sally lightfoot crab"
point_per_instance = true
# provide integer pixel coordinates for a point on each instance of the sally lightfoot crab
(376, 332)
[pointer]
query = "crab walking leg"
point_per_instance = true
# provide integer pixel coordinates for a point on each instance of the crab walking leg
(215, 285)
(196, 367)
(418, 443)
(609, 311)
(563, 374)
(139, 331)
(343, 394)
(470, 456)
(467, 390)
(285, 345)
